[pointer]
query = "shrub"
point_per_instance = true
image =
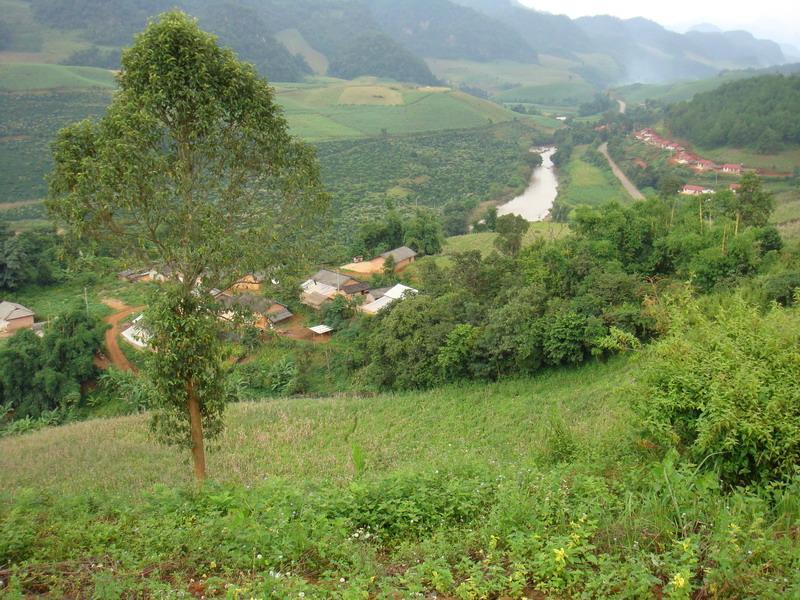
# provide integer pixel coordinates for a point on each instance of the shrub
(723, 389)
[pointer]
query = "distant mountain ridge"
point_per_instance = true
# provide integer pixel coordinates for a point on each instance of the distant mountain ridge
(391, 38)
(644, 50)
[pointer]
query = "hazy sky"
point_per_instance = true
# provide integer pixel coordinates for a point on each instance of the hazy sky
(774, 19)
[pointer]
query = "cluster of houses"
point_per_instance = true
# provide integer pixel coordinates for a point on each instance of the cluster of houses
(245, 298)
(684, 157)
(324, 286)
(701, 190)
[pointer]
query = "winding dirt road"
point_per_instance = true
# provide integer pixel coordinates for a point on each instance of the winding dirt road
(623, 179)
(115, 355)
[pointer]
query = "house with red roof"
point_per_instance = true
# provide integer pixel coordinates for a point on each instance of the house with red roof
(733, 169)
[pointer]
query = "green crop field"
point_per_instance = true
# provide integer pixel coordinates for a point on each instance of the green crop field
(28, 124)
(33, 77)
(569, 93)
(585, 183)
(335, 109)
(37, 100)
(548, 83)
(494, 74)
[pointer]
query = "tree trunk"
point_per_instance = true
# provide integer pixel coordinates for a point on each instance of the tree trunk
(198, 451)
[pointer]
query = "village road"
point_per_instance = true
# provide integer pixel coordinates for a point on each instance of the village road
(115, 355)
(623, 179)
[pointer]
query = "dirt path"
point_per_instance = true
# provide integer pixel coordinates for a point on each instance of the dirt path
(623, 179)
(115, 355)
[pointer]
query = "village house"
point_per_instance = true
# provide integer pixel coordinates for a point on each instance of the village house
(262, 312)
(732, 169)
(403, 256)
(133, 275)
(14, 317)
(702, 164)
(324, 285)
(136, 334)
(252, 282)
(379, 299)
(695, 190)
(735, 187)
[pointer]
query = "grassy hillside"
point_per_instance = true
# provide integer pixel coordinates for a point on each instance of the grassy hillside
(551, 82)
(499, 426)
(521, 489)
(336, 109)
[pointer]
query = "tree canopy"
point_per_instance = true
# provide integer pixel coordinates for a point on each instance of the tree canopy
(758, 112)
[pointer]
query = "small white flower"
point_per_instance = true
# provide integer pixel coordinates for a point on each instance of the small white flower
(341, 580)
(302, 594)
(259, 557)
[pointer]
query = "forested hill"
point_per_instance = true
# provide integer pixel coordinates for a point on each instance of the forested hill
(759, 113)
(442, 29)
(344, 31)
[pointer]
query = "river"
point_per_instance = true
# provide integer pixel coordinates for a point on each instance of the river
(536, 201)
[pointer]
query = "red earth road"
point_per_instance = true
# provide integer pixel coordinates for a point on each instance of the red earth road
(115, 355)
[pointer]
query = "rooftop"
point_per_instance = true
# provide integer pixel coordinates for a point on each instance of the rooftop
(400, 254)
(11, 310)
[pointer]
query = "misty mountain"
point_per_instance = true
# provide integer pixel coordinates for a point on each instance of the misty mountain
(391, 38)
(443, 29)
(644, 50)
(705, 28)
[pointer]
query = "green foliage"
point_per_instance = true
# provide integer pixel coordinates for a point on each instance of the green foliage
(378, 54)
(722, 389)
(423, 232)
(338, 312)
(28, 258)
(754, 113)
(510, 231)
(562, 301)
(40, 375)
(470, 534)
(456, 353)
(242, 29)
(599, 104)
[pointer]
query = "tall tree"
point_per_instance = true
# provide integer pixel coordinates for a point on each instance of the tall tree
(192, 167)
(423, 232)
(510, 231)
